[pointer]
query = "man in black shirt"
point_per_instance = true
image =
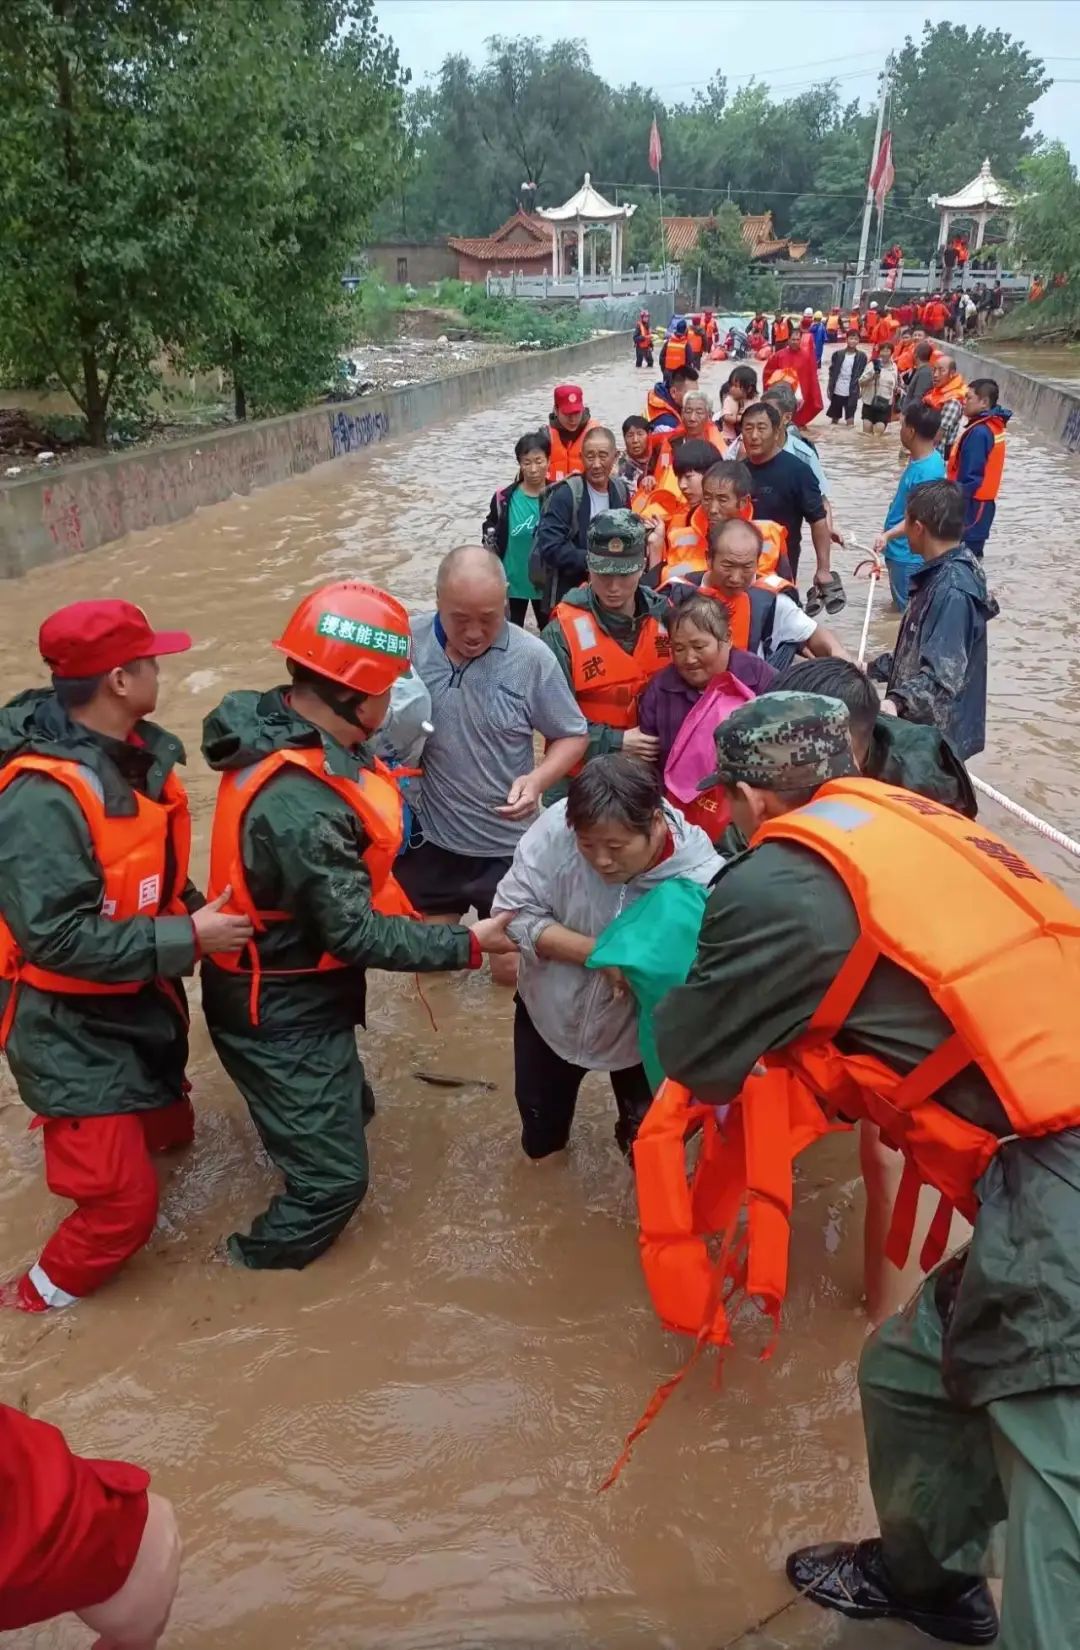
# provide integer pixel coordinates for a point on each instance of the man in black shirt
(784, 489)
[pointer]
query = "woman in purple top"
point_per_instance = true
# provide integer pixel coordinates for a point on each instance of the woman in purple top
(700, 649)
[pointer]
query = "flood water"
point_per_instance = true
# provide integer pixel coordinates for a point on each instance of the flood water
(1059, 363)
(400, 1448)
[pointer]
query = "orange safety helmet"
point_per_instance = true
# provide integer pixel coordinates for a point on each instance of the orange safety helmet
(351, 633)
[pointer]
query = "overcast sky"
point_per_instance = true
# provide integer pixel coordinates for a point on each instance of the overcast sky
(786, 43)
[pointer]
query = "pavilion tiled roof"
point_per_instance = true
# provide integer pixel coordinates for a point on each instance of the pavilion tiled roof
(502, 245)
(681, 235)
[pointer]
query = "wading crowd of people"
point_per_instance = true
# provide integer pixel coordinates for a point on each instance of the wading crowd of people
(713, 860)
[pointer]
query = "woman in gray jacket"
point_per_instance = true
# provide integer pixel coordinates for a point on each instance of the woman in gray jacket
(575, 870)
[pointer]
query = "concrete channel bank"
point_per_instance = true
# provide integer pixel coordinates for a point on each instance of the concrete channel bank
(69, 510)
(1035, 403)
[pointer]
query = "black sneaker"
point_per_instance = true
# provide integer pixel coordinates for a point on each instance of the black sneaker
(850, 1577)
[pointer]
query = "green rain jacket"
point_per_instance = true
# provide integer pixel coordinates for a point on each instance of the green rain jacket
(301, 847)
(93, 1055)
(649, 605)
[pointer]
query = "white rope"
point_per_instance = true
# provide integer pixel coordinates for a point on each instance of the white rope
(1052, 834)
(874, 577)
(1049, 831)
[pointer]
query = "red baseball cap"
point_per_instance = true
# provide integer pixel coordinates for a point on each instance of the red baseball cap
(568, 398)
(90, 638)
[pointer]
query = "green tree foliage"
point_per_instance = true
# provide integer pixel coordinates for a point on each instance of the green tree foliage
(1048, 222)
(186, 177)
(728, 275)
(959, 94)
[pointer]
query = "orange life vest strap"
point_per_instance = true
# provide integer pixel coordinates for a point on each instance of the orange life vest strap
(845, 990)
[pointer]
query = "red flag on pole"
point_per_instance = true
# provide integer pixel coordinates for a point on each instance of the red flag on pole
(656, 153)
(883, 175)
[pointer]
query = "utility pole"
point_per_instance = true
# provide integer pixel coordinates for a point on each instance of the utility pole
(864, 238)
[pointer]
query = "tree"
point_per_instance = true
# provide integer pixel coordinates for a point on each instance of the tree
(186, 176)
(301, 136)
(727, 270)
(958, 97)
(90, 224)
(1048, 220)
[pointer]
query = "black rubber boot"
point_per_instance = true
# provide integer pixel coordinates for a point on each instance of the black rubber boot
(850, 1577)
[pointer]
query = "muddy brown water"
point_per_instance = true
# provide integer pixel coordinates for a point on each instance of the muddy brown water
(401, 1446)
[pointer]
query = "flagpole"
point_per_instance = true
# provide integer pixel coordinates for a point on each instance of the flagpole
(864, 239)
(655, 133)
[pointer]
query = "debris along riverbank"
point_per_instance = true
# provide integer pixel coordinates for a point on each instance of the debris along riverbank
(35, 424)
(52, 512)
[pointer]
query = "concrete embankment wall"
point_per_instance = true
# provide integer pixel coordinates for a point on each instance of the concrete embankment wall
(1036, 404)
(62, 512)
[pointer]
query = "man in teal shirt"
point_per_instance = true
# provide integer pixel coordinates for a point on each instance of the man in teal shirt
(918, 432)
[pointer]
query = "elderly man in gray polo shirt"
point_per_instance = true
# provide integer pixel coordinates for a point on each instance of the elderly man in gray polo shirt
(493, 687)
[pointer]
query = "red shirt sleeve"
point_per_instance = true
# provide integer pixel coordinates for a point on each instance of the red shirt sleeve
(70, 1528)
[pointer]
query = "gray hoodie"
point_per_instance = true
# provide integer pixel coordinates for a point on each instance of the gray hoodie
(574, 1009)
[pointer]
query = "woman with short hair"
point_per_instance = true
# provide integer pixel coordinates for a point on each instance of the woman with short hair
(700, 635)
(575, 870)
(512, 520)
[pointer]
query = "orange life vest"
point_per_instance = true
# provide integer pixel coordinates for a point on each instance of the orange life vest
(133, 855)
(658, 406)
(376, 801)
(686, 544)
(855, 323)
(904, 357)
(1006, 978)
(995, 462)
(953, 389)
(675, 352)
(643, 336)
(565, 458)
(605, 679)
(781, 332)
(738, 611)
(773, 552)
(832, 324)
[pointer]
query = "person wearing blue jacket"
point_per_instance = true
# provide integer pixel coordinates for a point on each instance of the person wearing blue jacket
(819, 333)
(977, 461)
(937, 673)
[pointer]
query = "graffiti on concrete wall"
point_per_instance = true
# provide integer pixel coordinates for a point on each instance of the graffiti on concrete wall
(102, 502)
(350, 432)
(1070, 435)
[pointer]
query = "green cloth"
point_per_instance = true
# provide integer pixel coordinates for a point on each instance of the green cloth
(625, 631)
(778, 925)
(92, 1055)
(301, 846)
(310, 1101)
(298, 1069)
(523, 516)
(653, 943)
(943, 1476)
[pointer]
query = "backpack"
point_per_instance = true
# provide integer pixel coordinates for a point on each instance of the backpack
(541, 575)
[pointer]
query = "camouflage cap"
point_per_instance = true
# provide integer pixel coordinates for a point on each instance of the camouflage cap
(783, 742)
(616, 543)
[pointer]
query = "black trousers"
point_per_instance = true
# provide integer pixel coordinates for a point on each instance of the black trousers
(546, 1089)
(844, 405)
(519, 607)
(644, 356)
